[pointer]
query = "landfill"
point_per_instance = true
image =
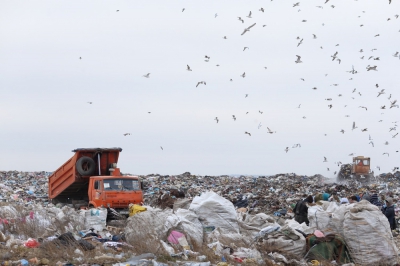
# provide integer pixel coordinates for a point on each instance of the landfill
(197, 220)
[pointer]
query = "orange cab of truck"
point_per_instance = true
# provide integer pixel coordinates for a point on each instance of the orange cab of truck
(91, 178)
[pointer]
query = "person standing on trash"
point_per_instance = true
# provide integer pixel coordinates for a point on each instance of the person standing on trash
(389, 213)
(334, 197)
(375, 199)
(301, 210)
(353, 199)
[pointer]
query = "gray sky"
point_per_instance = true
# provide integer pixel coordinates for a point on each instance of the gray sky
(45, 87)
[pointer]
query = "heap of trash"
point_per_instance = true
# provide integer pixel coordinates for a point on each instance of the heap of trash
(200, 221)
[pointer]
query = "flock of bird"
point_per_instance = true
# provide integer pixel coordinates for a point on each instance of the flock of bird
(336, 57)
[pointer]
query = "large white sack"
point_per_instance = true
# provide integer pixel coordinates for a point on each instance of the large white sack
(154, 224)
(318, 218)
(148, 227)
(282, 242)
(252, 224)
(330, 206)
(240, 240)
(338, 217)
(95, 218)
(214, 210)
(368, 235)
(292, 223)
(190, 225)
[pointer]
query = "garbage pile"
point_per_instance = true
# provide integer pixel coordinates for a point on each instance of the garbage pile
(261, 194)
(202, 220)
(24, 187)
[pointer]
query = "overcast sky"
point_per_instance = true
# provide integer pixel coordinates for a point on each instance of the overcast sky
(45, 86)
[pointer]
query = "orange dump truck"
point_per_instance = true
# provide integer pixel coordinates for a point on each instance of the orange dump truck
(91, 176)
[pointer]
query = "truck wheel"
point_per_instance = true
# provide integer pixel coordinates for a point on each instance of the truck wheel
(85, 166)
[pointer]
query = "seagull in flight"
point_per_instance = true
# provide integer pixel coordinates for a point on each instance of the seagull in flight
(188, 68)
(371, 143)
(325, 160)
(216, 119)
(247, 133)
(298, 59)
(201, 82)
(248, 28)
(147, 75)
(386, 154)
(270, 131)
(249, 16)
(126, 134)
(89, 102)
(301, 41)
(161, 148)
(234, 117)
(287, 149)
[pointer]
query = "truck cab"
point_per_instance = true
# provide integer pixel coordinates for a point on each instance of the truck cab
(114, 191)
(361, 165)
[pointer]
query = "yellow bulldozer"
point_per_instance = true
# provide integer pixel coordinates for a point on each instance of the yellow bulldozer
(360, 169)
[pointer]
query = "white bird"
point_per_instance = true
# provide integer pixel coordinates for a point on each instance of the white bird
(147, 75)
(216, 119)
(216, 15)
(352, 71)
(325, 160)
(301, 41)
(249, 16)
(89, 102)
(126, 134)
(298, 59)
(248, 28)
(371, 143)
(381, 92)
(354, 126)
(270, 131)
(243, 75)
(201, 82)
(188, 68)
(287, 149)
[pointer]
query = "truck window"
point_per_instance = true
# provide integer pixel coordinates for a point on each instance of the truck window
(121, 184)
(97, 184)
(366, 162)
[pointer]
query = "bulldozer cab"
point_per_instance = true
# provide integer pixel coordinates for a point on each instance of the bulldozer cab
(361, 165)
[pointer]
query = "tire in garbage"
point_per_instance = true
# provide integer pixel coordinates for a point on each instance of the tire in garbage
(85, 166)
